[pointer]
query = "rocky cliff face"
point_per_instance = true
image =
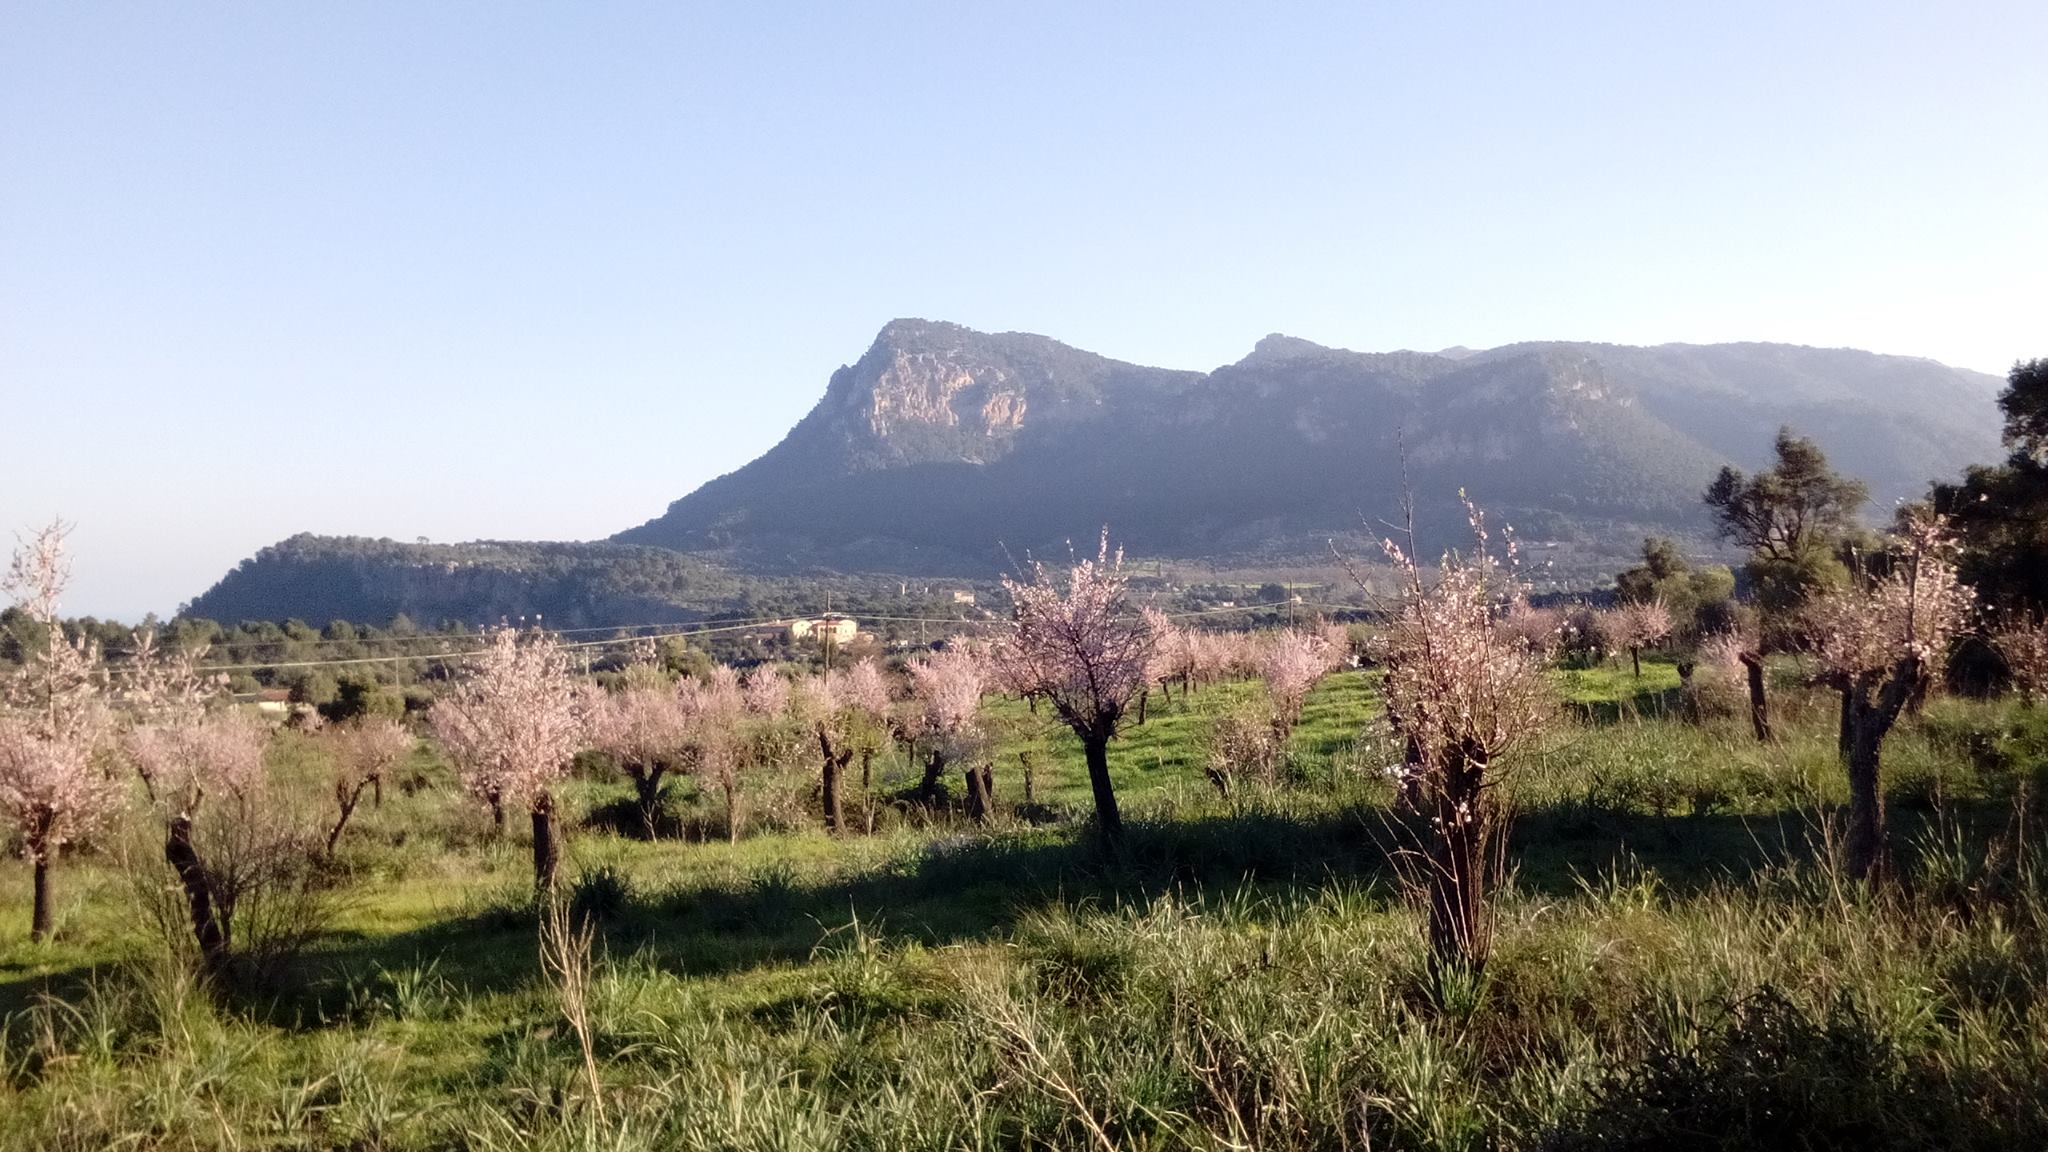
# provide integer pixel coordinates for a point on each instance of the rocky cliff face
(925, 388)
(944, 450)
(941, 447)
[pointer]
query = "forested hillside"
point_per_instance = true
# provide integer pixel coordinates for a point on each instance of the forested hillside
(945, 452)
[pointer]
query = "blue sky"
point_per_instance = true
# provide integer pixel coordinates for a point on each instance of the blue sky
(532, 271)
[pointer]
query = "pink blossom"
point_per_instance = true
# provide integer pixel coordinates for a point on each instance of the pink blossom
(1074, 643)
(53, 715)
(1292, 663)
(766, 690)
(1913, 612)
(948, 686)
(641, 724)
(366, 748)
(865, 687)
(2023, 641)
(185, 755)
(513, 723)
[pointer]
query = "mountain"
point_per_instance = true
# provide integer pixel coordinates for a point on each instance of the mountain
(942, 448)
(946, 451)
(321, 578)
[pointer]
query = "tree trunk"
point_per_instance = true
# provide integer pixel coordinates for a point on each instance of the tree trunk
(1635, 656)
(1030, 786)
(732, 811)
(39, 918)
(1458, 929)
(1142, 696)
(835, 763)
(867, 770)
(647, 796)
(347, 799)
(1845, 728)
(1869, 846)
(1917, 701)
(1219, 779)
(377, 792)
(206, 927)
(934, 772)
(1759, 708)
(497, 803)
(981, 801)
(1107, 817)
(547, 855)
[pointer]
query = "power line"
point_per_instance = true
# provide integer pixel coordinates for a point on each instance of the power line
(758, 624)
(709, 628)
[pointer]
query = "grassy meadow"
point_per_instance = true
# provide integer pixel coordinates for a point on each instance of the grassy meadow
(1679, 962)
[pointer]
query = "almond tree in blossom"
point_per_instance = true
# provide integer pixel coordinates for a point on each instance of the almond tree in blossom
(1540, 630)
(766, 690)
(365, 749)
(816, 702)
(866, 692)
(1078, 645)
(1637, 625)
(194, 756)
(948, 686)
(1882, 641)
(53, 718)
(1211, 657)
(512, 725)
(1292, 663)
(1464, 694)
(716, 708)
(848, 716)
(644, 727)
(1170, 657)
(2023, 642)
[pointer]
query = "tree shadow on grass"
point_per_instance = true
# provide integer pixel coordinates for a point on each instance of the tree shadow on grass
(1644, 704)
(974, 887)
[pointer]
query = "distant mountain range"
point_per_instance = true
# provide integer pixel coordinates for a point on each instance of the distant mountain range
(949, 451)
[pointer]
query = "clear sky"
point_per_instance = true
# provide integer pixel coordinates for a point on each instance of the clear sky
(532, 271)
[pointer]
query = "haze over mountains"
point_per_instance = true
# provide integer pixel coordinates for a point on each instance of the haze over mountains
(946, 451)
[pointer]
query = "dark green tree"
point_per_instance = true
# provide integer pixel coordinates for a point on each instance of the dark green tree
(2001, 512)
(1699, 599)
(1792, 517)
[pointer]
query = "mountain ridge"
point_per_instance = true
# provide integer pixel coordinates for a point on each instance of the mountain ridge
(944, 451)
(999, 415)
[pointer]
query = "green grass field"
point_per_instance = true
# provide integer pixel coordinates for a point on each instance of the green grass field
(1678, 964)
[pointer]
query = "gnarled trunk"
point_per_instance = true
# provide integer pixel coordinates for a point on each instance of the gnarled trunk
(1107, 818)
(42, 854)
(1759, 708)
(1878, 698)
(192, 876)
(547, 854)
(834, 767)
(1845, 727)
(647, 798)
(39, 918)
(346, 799)
(1460, 870)
(981, 789)
(934, 772)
